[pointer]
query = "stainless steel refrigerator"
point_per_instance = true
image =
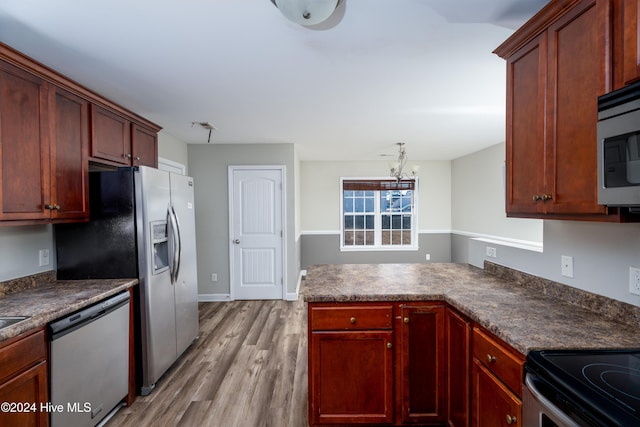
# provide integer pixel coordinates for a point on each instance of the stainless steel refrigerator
(141, 225)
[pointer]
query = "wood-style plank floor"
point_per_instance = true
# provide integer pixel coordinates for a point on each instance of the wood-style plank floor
(249, 368)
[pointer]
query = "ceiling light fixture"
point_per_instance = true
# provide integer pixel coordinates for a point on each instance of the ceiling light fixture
(205, 125)
(307, 12)
(397, 167)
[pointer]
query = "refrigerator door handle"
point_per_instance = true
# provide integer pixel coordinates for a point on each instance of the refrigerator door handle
(177, 255)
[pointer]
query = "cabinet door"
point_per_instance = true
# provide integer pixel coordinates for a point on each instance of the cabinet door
(69, 156)
(458, 336)
(351, 377)
(28, 388)
(578, 72)
(24, 145)
(631, 40)
(421, 363)
(144, 146)
(526, 76)
(493, 405)
(110, 136)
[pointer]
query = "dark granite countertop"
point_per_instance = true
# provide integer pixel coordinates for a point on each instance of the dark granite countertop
(45, 299)
(526, 312)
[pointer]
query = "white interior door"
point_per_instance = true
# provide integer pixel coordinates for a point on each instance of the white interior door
(256, 218)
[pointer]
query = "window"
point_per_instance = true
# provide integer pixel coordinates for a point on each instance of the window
(378, 214)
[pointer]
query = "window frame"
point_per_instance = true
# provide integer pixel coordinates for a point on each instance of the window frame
(378, 246)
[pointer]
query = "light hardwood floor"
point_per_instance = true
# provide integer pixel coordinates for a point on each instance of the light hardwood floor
(249, 368)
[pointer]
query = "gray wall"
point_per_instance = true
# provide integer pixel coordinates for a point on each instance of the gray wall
(208, 165)
(325, 249)
(602, 253)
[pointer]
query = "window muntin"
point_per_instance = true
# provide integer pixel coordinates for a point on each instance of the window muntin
(378, 214)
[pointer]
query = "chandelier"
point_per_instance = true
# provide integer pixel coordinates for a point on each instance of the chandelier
(398, 167)
(307, 12)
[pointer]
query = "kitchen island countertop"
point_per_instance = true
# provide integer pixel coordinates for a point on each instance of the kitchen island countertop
(526, 317)
(49, 300)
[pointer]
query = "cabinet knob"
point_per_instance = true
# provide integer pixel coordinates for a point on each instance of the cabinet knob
(352, 320)
(491, 359)
(389, 345)
(511, 419)
(406, 320)
(52, 207)
(138, 158)
(546, 197)
(536, 198)
(126, 156)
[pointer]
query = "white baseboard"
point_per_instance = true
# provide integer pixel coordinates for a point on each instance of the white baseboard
(293, 296)
(214, 297)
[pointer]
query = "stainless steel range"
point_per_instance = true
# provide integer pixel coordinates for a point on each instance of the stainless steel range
(582, 388)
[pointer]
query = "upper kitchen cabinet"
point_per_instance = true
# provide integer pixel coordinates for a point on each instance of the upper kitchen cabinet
(115, 139)
(630, 40)
(50, 127)
(43, 144)
(558, 64)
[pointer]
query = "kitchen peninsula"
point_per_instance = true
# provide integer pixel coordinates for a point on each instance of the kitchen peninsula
(416, 336)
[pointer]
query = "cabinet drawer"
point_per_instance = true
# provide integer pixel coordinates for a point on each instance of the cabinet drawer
(350, 317)
(18, 355)
(500, 360)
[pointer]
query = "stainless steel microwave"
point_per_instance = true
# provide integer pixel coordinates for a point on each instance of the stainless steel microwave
(619, 148)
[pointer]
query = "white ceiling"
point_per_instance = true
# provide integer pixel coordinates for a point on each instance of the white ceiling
(379, 72)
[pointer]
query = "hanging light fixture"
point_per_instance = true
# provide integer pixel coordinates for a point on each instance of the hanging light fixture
(397, 167)
(307, 12)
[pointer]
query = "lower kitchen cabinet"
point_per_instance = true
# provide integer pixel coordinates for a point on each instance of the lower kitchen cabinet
(23, 380)
(376, 363)
(458, 336)
(496, 382)
(420, 363)
(351, 377)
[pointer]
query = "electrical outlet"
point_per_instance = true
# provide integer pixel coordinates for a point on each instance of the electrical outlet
(634, 280)
(43, 257)
(427, 257)
(567, 266)
(214, 277)
(491, 252)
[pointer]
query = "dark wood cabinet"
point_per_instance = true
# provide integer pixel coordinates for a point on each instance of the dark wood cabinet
(116, 139)
(24, 144)
(43, 144)
(144, 146)
(497, 372)
(557, 66)
(23, 379)
(350, 364)
(69, 157)
(458, 367)
(376, 363)
(631, 40)
(110, 136)
(420, 363)
(50, 127)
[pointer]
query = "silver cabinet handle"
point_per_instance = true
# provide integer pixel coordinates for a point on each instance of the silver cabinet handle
(237, 241)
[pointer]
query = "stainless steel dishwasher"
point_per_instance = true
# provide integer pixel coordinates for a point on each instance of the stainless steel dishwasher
(89, 362)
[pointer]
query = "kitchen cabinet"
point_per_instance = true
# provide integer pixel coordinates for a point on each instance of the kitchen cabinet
(497, 372)
(420, 362)
(557, 65)
(458, 351)
(631, 40)
(115, 139)
(350, 364)
(376, 363)
(43, 143)
(23, 379)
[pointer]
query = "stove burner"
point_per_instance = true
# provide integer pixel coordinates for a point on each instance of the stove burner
(621, 383)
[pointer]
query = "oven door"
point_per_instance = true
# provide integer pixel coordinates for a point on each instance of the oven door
(539, 411)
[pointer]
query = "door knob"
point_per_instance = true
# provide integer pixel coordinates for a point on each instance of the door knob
(237, 241)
